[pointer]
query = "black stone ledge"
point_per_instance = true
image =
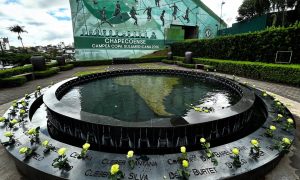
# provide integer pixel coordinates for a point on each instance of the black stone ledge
(97, 164)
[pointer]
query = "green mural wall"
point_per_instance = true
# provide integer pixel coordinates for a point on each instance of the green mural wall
(106, 29)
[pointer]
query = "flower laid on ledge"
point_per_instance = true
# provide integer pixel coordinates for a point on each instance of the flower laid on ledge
(236, 157)
(209, 154)
(183, 171)
(255, 149)
(84, 151)
(22, 113)
(131, 163)
(34, 134)
(26, 151)
(24, 104)
(278, 118)
(12, 123)
(115, 172)
(11, 140)
(38, 88)
(61, 162)
(183, 153)
(26, 96)
(289, 124)
(270, 130)
(48, 147)
(3, 119)
(284, 145)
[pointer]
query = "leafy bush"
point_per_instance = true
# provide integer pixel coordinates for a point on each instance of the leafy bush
(50, 65)
(257, 46)
(15, 58)
(13, 81)
(168, 61)
(66, 67)
(108, 62)
(191, 66)
(46, 73)
(288, 74)
(15, 71)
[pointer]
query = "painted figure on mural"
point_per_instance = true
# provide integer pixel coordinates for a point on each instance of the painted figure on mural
(162, 17)
(149, 10)
(104, 33)
(175, 9)
(133, 15)
(186, 16)
(116, 33)
(118, 10)
(157, 3)
(153, 36)
(95, 2)
(103, 17)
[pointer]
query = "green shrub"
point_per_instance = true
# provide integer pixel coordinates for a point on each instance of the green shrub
(191, 66)
(15, 71)
(46, 73)
(66, 67)
(168, 61)
(280, 73)
(108, 62)
(50, 65)
(257, 46)
(14, 58)
(91, 63)
(13, 81)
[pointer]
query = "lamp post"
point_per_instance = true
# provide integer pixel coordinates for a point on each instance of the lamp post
(220, 27)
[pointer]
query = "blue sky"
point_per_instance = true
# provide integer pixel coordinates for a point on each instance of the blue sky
(49, 21)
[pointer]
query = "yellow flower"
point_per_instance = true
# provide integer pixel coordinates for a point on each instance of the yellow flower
(23, 150)
(14, 105)
(2, 119)
(38, 87)
(182, 149)
(62, 151)
(86, 146)
(8, 134)
(202, 140)
(185, 163)
(254, 142)
(286, 141)
(130, 154)
(278, 103)
(290, 121)
(22, 111)
(14, 121)
(273, 128)
(45, 143)
(265, 94)
(114, 169)
(206, 111)
(279, 115)
(235, 151)
(276, 99)
(31, 131)
(254, 85)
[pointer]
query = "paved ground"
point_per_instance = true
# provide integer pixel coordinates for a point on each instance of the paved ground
(287, 169)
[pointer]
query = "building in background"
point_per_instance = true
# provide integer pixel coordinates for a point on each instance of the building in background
(4, 42)
(132, 28)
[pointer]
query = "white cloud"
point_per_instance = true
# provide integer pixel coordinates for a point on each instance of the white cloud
(230, 9)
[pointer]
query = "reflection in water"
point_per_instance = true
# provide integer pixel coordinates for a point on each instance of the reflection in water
(144, 97)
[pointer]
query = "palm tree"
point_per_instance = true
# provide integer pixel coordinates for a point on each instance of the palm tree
(18, 29)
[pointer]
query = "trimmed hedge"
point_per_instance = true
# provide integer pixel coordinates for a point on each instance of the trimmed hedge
(46, 73)
(66, 67)
(15, 71)
(108, 62)
(51, 65)
(258, 46)
(280, 73)
(13, 81)
(190, 66)
(168, 61)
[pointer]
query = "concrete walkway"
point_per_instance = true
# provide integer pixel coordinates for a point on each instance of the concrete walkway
(287, 169)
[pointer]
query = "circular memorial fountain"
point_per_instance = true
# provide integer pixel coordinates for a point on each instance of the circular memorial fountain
(152, 112)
